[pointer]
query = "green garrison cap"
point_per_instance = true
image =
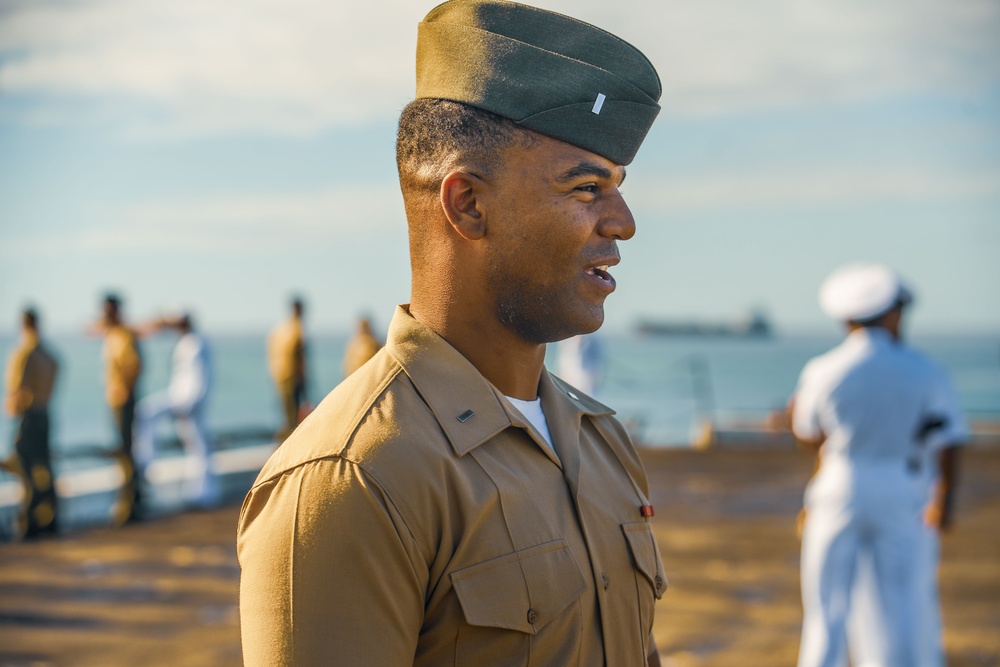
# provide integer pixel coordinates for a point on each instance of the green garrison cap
(550, 73)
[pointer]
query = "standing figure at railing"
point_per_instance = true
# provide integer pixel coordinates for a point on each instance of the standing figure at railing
(123, 365)
(286, 360)
(362, 346)
(185, 401)
(31, 377)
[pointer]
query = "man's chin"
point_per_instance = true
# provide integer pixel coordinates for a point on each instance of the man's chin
(583, 325)
(550, 320)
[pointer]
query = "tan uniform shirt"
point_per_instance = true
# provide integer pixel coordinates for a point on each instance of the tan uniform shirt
(414, 518)
(286, 352)
(122, 364)
(31, 376)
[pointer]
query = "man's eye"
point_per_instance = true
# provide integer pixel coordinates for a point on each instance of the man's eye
(590, 187)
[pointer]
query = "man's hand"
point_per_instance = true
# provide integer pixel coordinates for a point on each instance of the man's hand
(800, 519)
(938, 513)
(17, 401)
(937, 518)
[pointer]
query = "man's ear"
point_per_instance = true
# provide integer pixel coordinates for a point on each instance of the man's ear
(462, 203)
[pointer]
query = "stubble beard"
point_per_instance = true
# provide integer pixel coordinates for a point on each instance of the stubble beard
(536, 313)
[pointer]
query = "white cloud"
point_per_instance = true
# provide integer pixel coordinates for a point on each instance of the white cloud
(204, 66)
(300, 66)
(725, 56)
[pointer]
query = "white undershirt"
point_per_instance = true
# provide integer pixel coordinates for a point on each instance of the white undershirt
(532, 411)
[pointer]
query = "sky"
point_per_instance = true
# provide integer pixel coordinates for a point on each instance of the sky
(221, 155)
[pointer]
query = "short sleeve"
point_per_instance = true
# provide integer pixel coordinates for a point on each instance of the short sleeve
(806, 407)
(14, 378)
(944, 403)
(330, 574)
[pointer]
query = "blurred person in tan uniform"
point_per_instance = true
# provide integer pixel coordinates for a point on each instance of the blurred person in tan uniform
(123, 365)
(31, 377)
(362, 347)
(286, 360)
(451, 503)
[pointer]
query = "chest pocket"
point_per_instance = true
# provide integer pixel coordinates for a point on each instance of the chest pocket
(646, 555)
(522, 591)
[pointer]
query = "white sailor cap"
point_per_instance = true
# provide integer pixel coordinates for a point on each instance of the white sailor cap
(859, 292)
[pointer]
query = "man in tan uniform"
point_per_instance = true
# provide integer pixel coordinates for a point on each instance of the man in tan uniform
(286, 360)
(362, 346)
(451, 503)
(31, 377)
(123, 364)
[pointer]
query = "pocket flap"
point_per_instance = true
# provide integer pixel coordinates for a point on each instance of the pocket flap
(646, 555)
(521, 591)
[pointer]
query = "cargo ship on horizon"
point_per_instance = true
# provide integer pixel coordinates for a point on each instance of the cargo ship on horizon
(755, 325)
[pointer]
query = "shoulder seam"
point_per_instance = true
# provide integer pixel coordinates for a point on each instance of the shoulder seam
(348, 436)
(367, 406)
(389, 497)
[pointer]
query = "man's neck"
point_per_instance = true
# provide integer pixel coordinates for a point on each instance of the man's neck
(508, 362)
(874, 330)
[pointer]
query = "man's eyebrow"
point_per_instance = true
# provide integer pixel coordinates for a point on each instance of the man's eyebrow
(584, 169)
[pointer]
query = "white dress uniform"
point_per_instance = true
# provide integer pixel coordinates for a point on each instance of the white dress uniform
(867, 647)
(185, 400)
(868, 398)
(580, 362)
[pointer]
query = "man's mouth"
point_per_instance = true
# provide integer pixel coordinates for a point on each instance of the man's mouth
(601, 272)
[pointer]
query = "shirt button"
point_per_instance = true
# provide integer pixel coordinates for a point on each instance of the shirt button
(605, 580)
(532, 616)
(659, 582)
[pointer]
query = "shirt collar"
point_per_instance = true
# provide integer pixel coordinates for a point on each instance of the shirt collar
(467, 407)
(565, 397)
(872, 336)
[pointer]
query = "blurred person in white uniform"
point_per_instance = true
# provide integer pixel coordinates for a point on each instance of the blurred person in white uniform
(580, 361)
(945, 434)
(184, 400)
(870, 407)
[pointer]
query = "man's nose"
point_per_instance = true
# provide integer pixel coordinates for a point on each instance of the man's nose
(617, 222)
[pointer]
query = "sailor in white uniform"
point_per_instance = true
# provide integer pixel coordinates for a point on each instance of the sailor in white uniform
(184, 400)
(944, 437)
(870, 406)
(580, 362)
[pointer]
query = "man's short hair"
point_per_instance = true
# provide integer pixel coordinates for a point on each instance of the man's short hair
(435, 136)
(30, 318)
(297, 305)
(113, 300)
(879, 319)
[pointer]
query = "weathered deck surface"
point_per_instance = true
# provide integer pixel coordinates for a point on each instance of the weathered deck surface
(164, 592)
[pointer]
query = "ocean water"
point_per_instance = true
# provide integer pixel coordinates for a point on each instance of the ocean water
(661, 386)
(667, 386)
